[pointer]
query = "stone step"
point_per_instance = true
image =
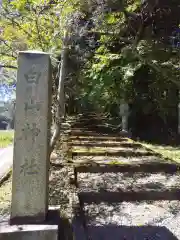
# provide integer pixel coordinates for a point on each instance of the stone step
(101, 129)
(113, 149)
(131, 168)
(92, 133)
(99, 138)
(127, 181)
(89, 143)
(120, 153)
(92, 120)
(108, 148)
(157, 220)
(113, 160)
(116, 197)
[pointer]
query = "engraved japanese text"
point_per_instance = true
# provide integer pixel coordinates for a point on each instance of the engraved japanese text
(31, 130)
(32, 76)
(29, 167)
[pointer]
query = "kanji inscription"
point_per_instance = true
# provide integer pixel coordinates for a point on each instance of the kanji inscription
(31, 130)
(31, 140)
(32, 105)
(30, 167)
(32, 76)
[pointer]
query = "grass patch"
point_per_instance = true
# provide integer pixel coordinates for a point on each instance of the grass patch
(170, 152)
(6, 138)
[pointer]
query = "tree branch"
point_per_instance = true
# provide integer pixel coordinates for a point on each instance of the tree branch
(126, 40)
(8, 46)
(7, 66)
(15, 23)
(39, 35)
(7, 55)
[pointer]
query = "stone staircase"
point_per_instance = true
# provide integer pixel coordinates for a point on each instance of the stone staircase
(124, 190)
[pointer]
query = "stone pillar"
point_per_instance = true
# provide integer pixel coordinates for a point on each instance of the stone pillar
(124, 112)
(32, 135)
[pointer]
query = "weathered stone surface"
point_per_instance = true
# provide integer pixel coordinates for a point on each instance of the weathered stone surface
(29, 232)
(54, 227)
(32, 135)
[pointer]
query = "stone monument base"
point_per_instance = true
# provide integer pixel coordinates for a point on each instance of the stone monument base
(46, 231)
(125, 133)
(28, 232)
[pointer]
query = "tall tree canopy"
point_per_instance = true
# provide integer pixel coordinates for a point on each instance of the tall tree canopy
(116, 50)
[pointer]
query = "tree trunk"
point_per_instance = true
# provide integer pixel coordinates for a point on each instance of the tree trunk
(60, 111)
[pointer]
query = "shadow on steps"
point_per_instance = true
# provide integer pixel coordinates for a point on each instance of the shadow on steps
(121, 153)
(115, 232)
(97, 138)
(121, 196)
(131, 168)
(106, 144)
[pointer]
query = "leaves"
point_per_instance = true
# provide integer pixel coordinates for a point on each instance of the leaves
(108, 42)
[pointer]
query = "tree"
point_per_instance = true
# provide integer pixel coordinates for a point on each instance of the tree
(133, 34)
(40, 25)
(109, 43)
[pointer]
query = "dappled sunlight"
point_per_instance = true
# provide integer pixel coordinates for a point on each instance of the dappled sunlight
(128, 185)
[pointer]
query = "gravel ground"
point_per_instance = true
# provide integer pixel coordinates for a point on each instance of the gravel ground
(134, 221)
(145, 220)
(59, 192)
(127, 181)
(158, 220)
(139, 220)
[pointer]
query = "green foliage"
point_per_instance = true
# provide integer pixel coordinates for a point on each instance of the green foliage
(6, 138)
(110, 74)
(128, 35)
(36, 25)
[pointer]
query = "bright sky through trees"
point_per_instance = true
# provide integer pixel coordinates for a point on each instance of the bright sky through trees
(7, 92)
